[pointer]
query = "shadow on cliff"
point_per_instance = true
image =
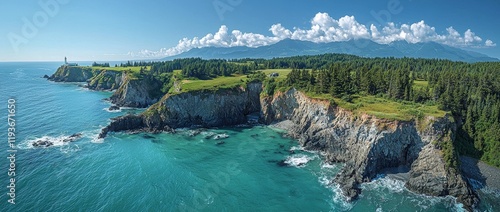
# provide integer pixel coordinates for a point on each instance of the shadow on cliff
(470, 169)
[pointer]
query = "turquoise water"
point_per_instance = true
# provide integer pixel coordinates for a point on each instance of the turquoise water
(166, 172)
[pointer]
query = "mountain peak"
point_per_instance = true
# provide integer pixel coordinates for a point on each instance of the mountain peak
(361, 47)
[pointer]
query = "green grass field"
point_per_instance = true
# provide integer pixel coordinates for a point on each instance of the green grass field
(212, 84)
(134, 71)
(383, 108)
(223, 82)
(282, 72)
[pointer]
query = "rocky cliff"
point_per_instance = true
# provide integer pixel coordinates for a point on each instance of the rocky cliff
(106, 80)
(96, 79)
(366, 144)
(72, 74)
(137, 92)
(223, 107)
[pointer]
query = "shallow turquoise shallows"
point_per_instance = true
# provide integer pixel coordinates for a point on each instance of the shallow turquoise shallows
(167, 172)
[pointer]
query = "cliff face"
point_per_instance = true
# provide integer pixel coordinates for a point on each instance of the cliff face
(106, 80)
(365, 144)
(97, 79)
(137, 92)
(368, 145)
(72, 74)
(223, 107)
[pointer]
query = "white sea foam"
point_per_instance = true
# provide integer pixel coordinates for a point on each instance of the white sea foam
(81, 86)
(339, 199)
(94, 136)
(382, 182)
(59, 141)
(97, 140)
(326, 177)
(207, 135)
(297, 148)
(299, 160)
(69, 148)
(128, 108)
(301, 148)
(56, 141)
(112, 111)
(328, 166)
(221, 136)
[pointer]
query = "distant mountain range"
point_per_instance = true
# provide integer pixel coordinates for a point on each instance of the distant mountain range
(363, 48)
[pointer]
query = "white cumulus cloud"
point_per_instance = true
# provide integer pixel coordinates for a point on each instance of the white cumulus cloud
(490, 43)
(325, 29)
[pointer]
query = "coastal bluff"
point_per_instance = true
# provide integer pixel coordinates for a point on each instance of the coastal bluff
(130, 91)
(366, 144)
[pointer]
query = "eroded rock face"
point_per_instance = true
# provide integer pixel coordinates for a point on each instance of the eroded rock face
(224, 107)
(430, 176)
(72, 74)
(123, 123)
(367, 145)
(106, 80)
(137, 92)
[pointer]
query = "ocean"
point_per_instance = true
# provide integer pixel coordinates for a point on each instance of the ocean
(186, 171)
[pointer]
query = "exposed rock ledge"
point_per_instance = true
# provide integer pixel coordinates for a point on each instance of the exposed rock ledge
(366, 145)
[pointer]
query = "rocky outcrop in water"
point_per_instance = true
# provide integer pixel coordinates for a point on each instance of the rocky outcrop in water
(224, 107)
(72, 74)
(124, 123)
(47, 142)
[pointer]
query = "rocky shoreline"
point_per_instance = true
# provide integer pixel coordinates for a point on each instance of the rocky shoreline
(367, 145)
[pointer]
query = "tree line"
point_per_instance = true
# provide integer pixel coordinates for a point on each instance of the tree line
(471, 92)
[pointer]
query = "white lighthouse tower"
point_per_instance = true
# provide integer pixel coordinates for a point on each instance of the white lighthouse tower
(69, 64)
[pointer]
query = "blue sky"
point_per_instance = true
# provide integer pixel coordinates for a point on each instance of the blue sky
(131, 29)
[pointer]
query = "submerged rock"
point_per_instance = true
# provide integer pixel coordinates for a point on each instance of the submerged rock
(114, 108)
(48, 141)
(195, 132)
(42, 143)
(282, 163)
(146, 136)
(220, 136)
